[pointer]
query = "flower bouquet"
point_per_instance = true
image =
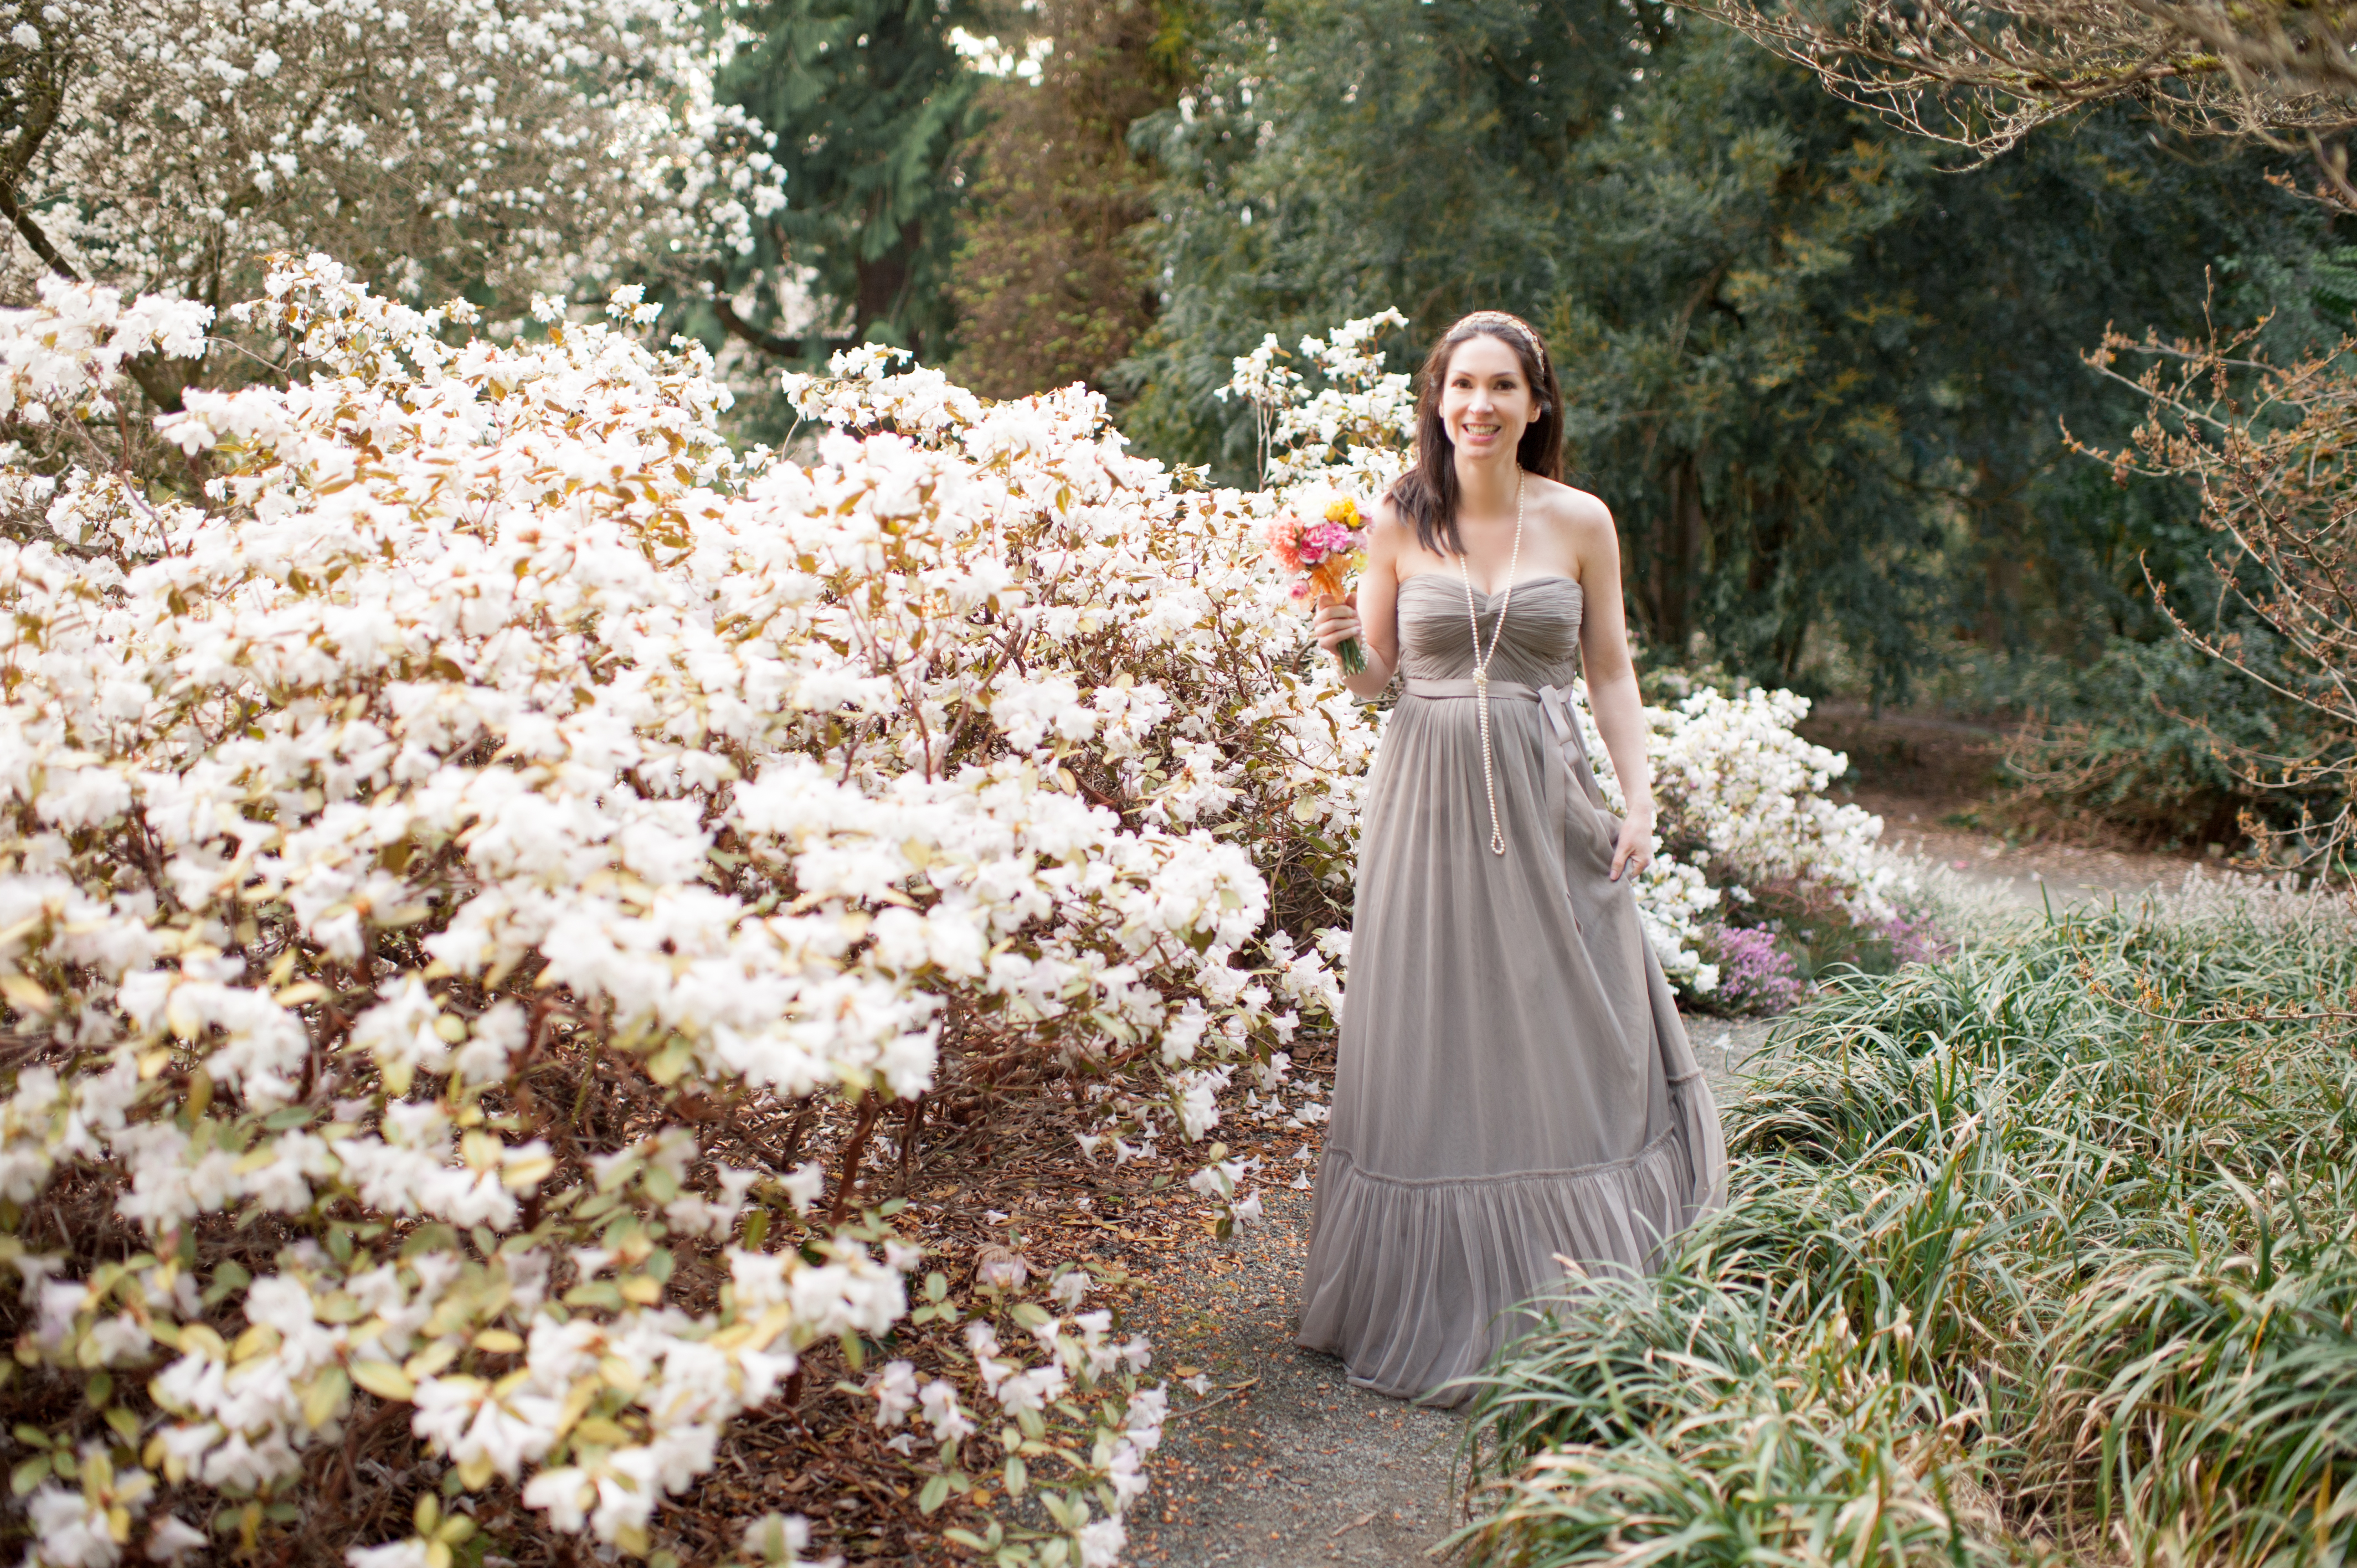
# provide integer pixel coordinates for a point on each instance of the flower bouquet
(1317, 542)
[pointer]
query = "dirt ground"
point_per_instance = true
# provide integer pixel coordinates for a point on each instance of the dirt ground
(1281, 1463)
(1931, 778)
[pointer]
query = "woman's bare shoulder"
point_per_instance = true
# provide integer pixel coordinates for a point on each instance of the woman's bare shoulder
(1583, 519)
(1388, 533)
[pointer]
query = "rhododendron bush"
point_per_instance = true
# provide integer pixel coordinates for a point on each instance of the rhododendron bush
(169, 146)
(481, 730)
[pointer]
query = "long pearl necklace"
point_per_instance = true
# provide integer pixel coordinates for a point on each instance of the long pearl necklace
(1481, 661)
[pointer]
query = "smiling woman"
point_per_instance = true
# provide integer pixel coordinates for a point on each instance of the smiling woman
(1514, 1087)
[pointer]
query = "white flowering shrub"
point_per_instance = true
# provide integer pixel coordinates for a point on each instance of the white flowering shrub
(1352, 428)
(444, 841)
(1741, 795)
(169, 146)
(1741, 808)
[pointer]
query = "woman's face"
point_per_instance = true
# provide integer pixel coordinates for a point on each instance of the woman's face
(1486, 401)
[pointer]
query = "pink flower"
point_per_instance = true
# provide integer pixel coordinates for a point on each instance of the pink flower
(1283, 536)
(1325, 539)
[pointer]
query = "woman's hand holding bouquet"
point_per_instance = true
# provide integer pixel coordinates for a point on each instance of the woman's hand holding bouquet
(1319, 542)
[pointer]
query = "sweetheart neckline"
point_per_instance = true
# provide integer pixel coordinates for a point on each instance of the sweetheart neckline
(1493, 593)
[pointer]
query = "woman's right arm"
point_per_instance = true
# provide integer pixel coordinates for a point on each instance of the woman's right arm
(1371, 613)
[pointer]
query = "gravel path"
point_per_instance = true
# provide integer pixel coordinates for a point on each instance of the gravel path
(1283, 1463)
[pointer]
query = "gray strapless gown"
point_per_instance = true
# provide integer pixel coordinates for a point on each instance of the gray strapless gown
(1514, 1083)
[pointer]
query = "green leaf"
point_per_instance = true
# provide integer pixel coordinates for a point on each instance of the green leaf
(227, 1279)
(33, 1437)
(384, 1380)
(1018, 1476)
(326, 1397)
(668, 1065)
(31, 1474)
(430, 1237)
(934, 1493)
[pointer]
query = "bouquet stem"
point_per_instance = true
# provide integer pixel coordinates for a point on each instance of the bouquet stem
(1354, 660)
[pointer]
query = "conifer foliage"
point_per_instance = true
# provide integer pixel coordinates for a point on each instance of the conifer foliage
(877, 103)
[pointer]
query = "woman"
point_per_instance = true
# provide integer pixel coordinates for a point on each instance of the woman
(1515, 1090)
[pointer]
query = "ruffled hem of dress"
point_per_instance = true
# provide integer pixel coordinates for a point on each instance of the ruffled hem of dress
(1416, 1283)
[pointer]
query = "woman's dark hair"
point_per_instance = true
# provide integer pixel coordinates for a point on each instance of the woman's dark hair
(1426, 494)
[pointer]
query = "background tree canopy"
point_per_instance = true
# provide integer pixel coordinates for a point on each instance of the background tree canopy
(878, 102)
(1822, 379)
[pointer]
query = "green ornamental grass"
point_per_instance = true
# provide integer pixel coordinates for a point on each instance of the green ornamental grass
(2045, 1251)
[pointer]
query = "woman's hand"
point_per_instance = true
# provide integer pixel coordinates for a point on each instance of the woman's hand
(1635, 849)
(1337, 620)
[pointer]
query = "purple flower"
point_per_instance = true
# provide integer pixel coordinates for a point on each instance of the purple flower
(1914, 938)
(1755, 975)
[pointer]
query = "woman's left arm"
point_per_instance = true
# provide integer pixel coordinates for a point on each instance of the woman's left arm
(1612, 678)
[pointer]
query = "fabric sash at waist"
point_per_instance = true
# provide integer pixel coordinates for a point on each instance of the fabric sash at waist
(1553, 701)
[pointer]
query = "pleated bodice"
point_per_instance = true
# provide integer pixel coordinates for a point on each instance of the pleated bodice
(1540, 645)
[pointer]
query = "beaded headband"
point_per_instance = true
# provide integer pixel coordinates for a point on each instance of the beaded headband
(1515, 324)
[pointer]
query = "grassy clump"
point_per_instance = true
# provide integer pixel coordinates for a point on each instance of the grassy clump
(2050, 1248)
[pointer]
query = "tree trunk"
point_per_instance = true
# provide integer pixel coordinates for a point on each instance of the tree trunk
(884, 284)
(1677, 544)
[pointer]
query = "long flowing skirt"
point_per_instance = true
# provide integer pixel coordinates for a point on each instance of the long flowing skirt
(1516, 1088)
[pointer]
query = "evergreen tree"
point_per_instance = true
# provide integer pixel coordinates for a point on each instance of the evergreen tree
(1341, 157)
(876, 104)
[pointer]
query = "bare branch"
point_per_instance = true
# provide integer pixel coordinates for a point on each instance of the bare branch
(1981, 77)
(2272, 452)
